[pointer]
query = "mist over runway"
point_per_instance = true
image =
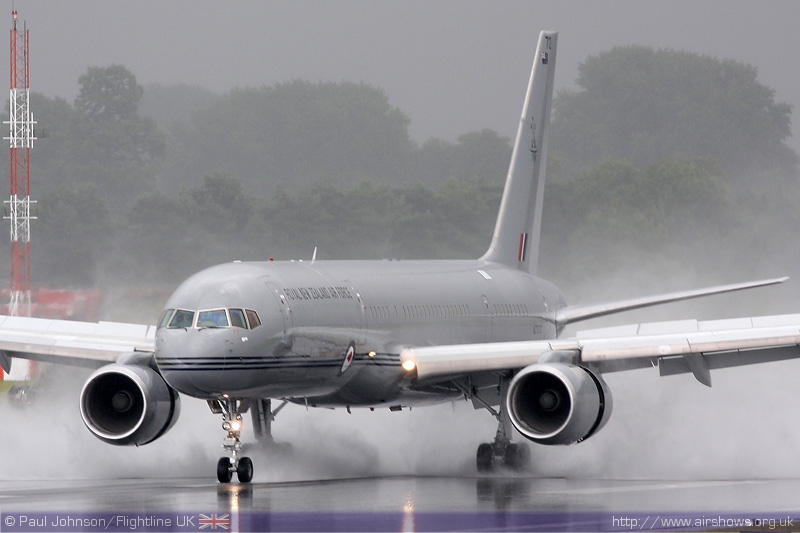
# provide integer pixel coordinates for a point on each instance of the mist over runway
(669, 428)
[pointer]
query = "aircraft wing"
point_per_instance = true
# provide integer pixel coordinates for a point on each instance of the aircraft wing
(674, 347)
(85, 344)
(575, 313)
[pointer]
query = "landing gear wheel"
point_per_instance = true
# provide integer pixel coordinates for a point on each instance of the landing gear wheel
(517, 457)
(485, 457)
(224, 473)
(244, 470)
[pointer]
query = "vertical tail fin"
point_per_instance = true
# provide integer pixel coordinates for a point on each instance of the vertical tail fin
(516, 235)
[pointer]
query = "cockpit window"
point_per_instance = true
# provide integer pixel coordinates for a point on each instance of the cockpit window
(165, 316)
(182, 319)
(212, 318)
(252, 317)
(237, 318)
(215, 318)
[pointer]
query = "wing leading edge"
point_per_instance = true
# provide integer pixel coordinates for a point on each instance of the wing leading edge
(674, 347)
(85, 344)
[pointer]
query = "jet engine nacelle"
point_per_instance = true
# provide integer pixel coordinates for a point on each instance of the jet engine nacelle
(128, 404)
(557, 403)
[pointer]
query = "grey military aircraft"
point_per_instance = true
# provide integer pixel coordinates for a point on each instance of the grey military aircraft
(391, 334)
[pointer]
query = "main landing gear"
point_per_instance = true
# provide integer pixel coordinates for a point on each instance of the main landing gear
(514, 456)
(231, 410)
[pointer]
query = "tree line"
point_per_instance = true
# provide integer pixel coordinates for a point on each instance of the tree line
(661, 159)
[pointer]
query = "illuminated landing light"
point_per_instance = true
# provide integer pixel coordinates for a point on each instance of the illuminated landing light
(372, 353)
(233, 425)
(409, 365)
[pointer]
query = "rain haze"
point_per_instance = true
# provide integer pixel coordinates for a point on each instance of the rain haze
(452, 67)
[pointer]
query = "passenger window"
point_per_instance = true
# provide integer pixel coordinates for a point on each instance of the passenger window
(216, 318)
(165, 316)
(237, 318)
(182, 319)
(252, 317)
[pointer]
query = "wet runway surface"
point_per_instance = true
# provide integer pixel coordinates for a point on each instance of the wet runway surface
(424, 494)
(399, 501)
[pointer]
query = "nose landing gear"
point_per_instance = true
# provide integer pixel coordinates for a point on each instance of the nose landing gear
(227, 466)
(231, 410)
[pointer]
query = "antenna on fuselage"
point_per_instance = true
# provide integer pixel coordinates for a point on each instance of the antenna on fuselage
(314, 255)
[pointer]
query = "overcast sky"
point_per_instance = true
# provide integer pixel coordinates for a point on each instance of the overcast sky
(451, 66)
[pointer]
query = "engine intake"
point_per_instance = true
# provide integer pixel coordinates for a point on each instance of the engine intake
(128, 405)
(558, 403)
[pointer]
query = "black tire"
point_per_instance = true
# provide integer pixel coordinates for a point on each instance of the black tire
(517, 457)
(284, 447)
(224, 473)
(485, 457)
(13, 393)
(244, 471)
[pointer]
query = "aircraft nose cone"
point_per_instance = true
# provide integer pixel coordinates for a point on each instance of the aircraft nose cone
(193, 361)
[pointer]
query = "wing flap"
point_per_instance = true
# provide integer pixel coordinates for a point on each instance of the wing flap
(670, 366)
(661, 346)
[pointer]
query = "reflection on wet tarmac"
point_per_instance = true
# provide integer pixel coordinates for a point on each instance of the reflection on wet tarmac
(405, 495)
(501, 493)
(235, 497)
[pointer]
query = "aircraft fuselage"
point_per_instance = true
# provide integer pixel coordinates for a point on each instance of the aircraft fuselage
(331, 332)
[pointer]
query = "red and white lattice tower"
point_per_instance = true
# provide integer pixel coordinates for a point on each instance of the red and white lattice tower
(21, 137)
